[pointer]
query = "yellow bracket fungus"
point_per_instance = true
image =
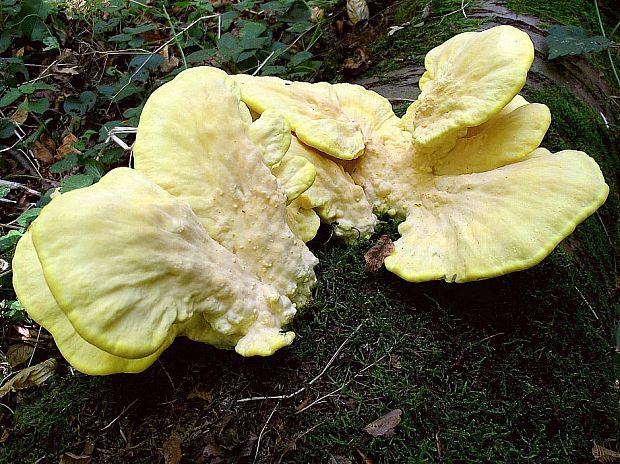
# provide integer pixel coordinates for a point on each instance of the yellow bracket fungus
(116, 311)
(229, 185)
(213, 164)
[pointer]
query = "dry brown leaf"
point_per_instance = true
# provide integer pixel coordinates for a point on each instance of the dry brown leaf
(30, 377)
(316, 14)
(170, 61)
(42, 153)
(48, 142)
(203, 395)
(384, 426)
(19, 353)
(19, 116)
(67, 147)
(4, 436)
(376, 255)
(70, 458)
(172, 449)
(395, 361)
(605, 455)
(357, 10)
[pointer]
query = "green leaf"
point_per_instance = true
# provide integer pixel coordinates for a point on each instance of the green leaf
(9, 97)
(7, 128)
(33, 87)
(51, 43)
(75, 182)
(27, 217)
(201, 56)
(300, 58)
(4, 191)
(298, 28)
(39, 106)
(573, 40)
(9, 240)
(65, 164)
(79, 106)
(94, 168)
(139, 30)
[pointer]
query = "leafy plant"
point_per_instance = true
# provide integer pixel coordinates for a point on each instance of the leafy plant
(573, 40)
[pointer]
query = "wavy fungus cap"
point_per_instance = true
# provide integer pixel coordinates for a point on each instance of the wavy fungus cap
(205, 153)
(468, 79)
(142, 271)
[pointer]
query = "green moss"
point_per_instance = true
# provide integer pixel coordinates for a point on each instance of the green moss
(43, 422)
(422, 34)
(578, 12)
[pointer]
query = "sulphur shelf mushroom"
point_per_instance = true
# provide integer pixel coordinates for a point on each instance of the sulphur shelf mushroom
(228, 186)
(463, 167)
(116, 311)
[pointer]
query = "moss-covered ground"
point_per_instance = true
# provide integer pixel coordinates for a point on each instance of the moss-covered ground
(519, 368)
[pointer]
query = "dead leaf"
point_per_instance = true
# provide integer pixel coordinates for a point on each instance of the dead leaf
(172, 449)
(384, 426)
(395, 361)
(203, 395)
(426, 11)
(67, 146)
(42, 153)
(358, 63)
(70, 458)
(18, 354)
(48, 142)
(316, 14)
(30, 377)
(376, 255)
(5, 435)
(357, 11)
(170, 61)
(605, 455)
(19, 116)
(72, 70)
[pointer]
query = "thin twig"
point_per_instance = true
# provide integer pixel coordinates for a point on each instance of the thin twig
(167, 374)
(463, 9)
(297, 392)
(17, 185)
(260, 66)
(587, 303)
(260, 435)
(174, 34)
(451, 13)
(36, 343)
(119, 416)
(2, 404)
(333, 392)
(611, 60)
(159, 49)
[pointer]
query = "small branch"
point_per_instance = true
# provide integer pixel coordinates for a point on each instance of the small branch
(119, 416)
(17, 185)
(260, 66)
(587, 303)
(260, 435)
(176, 37)
(327, 366)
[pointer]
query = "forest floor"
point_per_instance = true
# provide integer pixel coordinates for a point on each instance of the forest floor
(520, 368)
